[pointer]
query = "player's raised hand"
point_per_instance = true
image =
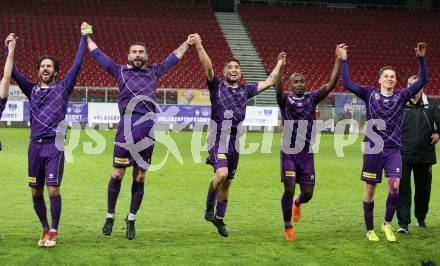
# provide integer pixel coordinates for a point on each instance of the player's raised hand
(197, 40)
(341, 51)
(283, 58)
(86, 29)
(11, 37)
(421, 49)
(12, 43)
(190, 39)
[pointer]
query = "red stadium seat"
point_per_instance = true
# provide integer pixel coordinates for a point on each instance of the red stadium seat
(53, 27)
(310, 34)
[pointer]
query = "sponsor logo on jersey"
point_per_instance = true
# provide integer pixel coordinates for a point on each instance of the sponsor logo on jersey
(118, 160)
(376, 96)
(221, 156)
(290, 173)
(369, 175)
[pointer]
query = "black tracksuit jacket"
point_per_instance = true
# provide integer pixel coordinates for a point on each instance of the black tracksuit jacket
(420, 121)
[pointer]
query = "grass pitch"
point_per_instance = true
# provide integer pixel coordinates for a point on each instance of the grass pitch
(170, 225)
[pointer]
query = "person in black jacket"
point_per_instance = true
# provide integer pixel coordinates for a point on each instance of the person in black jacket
(420, 133)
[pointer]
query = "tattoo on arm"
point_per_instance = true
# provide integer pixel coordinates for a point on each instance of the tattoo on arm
(179, 52)
(272, 76)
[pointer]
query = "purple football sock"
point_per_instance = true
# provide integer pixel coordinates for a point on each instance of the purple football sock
(221, 209)
(41, 210)
(137, 193)
(114, 186)
(286, 206)
(299, 200)
(210, 199)
(55, 211)
(391, 206)
(368, 215)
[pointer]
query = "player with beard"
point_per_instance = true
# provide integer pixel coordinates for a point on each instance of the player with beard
(297, 165)
(228, 100)
(48, 106)
(138, 81)
(386, 105)
(4, 84)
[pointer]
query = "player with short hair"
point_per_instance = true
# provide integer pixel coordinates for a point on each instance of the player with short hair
(228, 100)
(4, 84)
(297, 165)
(384, 106)
(48, 106)
(137, 83)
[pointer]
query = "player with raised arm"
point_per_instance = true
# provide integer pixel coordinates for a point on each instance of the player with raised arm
(297, 166)
(384, 107)
(4, 84)
(137, 83)
(228, 100)
(48, 106)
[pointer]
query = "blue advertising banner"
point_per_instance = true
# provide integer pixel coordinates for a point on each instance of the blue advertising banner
(346, 104)
(184, 114)
(169, 114)
(26, 111)
(76, 112)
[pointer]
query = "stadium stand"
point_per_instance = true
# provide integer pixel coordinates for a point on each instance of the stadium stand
(308, 34)
(375, 37)
(52, 27)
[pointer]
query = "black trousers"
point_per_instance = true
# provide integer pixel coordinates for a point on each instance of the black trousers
(422, 186)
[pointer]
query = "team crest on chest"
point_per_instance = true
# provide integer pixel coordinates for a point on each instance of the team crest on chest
(376, 96)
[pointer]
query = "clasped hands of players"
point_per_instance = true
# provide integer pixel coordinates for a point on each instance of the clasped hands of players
(341, 51)
(86, 29)
(283, 57)
(11, 40)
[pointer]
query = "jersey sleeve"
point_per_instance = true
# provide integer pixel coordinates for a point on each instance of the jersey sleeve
(3, 101)
(213, 84)
(25, 85)
(72, 74)
(355, 88)
(251, 90)
(412, 90)
(106, 63)
(316, 96)
(405, 95)
(169, 62)
(284, 99)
